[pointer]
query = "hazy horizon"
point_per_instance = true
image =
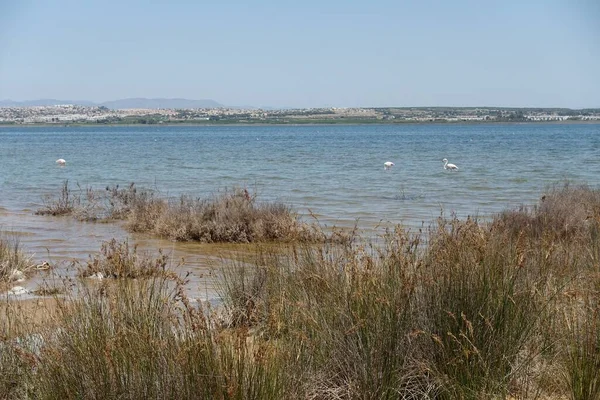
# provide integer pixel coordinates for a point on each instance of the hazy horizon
(534, 54)
(85, 102)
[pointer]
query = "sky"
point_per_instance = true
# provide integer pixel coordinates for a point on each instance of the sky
(327, 53)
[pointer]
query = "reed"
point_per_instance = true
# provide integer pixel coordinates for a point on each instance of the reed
(346, 325)
(65, 203)
(121, 261)
(14, 263)
(464, 310)
(232, 216)
(479, 309)
(134, 339)
(580, 359)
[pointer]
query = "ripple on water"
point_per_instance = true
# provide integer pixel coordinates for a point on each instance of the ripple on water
(519, 180)
(503, 165)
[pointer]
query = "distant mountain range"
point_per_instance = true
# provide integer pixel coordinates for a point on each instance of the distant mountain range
(119, 104)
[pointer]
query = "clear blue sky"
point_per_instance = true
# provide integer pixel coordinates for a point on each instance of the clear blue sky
(305, 53)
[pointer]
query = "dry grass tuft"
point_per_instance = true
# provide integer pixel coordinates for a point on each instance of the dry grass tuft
(477, 313)
(465, 310)
(14, 264)
(233, 216)
(131, 340)
(63, 204)
(121, 261)
(564, 211)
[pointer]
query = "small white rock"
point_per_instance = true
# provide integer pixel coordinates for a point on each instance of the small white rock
(18, 290)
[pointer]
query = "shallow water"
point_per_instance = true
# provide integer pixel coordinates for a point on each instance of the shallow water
(334, 172)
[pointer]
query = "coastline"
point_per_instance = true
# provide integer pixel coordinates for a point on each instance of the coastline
(295, 123)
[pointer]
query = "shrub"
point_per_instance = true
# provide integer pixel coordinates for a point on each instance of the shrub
(85, 205)
(565, 211)
(231, 216)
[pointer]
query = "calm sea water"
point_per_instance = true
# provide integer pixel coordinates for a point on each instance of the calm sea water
(336, 172)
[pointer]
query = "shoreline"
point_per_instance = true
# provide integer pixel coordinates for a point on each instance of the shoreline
(199, 124)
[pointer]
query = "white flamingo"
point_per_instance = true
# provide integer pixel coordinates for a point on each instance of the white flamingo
(388, 165)
(451, 167)
(61, 161)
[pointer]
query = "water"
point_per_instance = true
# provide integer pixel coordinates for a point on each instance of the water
(335, 172)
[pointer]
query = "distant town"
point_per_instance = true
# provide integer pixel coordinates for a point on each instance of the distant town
(78, 114)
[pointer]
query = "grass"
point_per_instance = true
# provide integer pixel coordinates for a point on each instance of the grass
(232, 216)
(65, 203)
(581, 358)
(121, 261)
(131, 340)
(464, 310)
(479, 310)
(14, 263)
(46, 290)
(473, 314)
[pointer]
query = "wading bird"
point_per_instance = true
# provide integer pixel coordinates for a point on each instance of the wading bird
(388, 165)
(451, 167)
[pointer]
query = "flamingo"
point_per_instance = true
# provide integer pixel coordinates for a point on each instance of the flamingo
(61, 161)
(388, 165)
(451, 167)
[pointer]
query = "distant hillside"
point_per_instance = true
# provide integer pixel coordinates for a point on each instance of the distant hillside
(119, 104)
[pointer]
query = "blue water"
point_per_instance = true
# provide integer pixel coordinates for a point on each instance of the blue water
(335, 171)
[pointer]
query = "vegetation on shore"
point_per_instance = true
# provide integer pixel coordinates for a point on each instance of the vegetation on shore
(122, 261)
(81, 115)
(464, 310)
(295, 121)
(232, 216)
